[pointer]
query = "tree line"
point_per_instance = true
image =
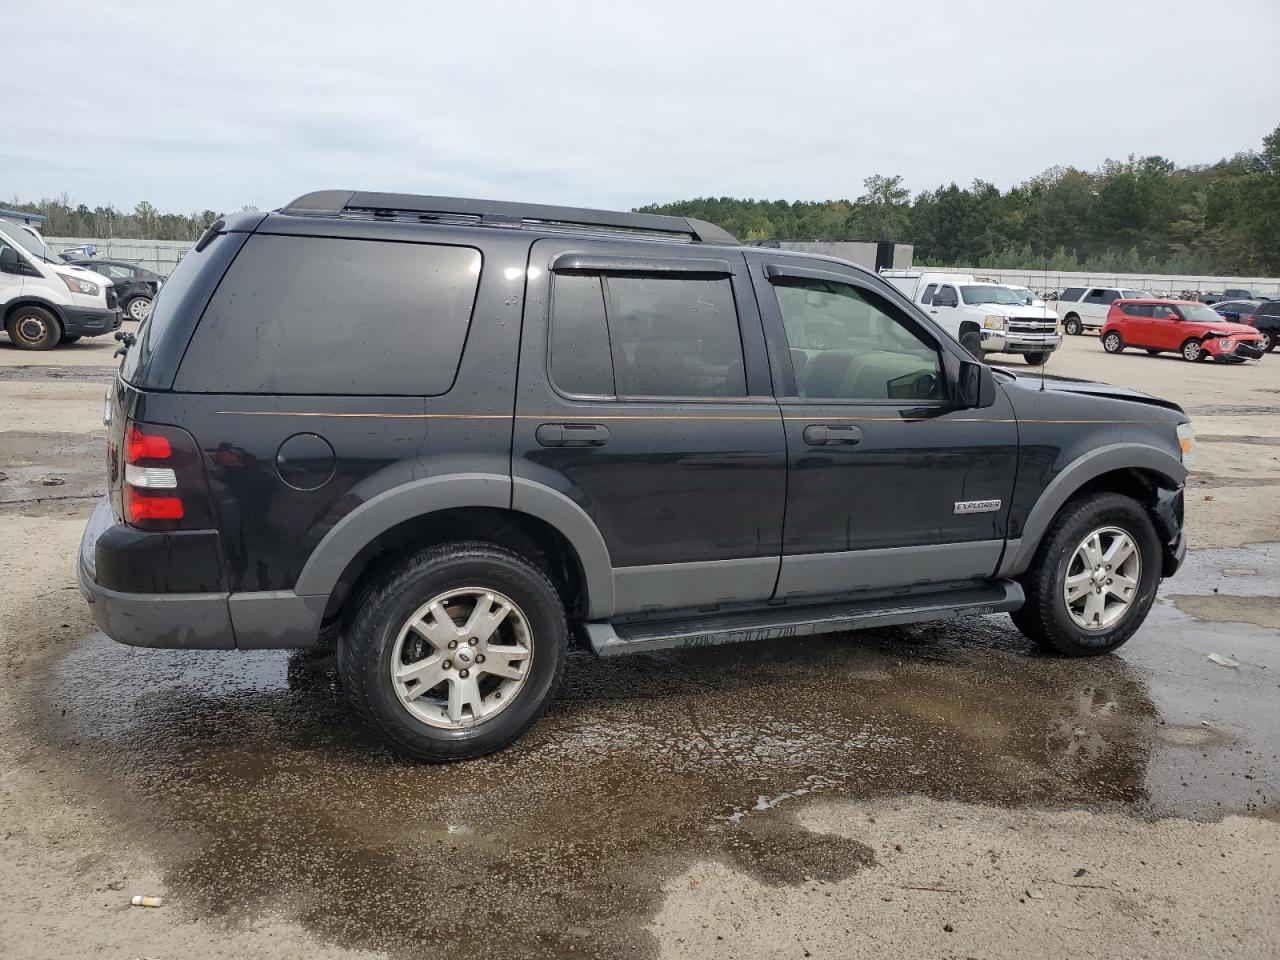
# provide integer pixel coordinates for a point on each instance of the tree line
(1140, 215)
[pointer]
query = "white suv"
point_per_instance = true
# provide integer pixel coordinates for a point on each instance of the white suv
(45, 301)
(1084, 308)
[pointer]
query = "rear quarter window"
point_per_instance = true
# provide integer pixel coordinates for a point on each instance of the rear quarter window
(318, 315)
(1072, 293)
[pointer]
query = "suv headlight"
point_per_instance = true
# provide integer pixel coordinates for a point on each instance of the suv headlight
(1187, 442)
(993, 322)
(76, 285)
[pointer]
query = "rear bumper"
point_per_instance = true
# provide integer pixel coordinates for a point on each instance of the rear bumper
(206, 620)
(89, 321)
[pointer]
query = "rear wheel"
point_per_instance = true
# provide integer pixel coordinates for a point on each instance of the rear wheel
(1192, 351)
(1093, 578)
(1072, 325)
(972, 341)
(1113, 342)
(1035, 359)
(456, 652)
(138, 308)
(1268, 340)
(33, 328)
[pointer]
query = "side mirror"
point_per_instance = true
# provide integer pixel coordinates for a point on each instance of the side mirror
(976, 387)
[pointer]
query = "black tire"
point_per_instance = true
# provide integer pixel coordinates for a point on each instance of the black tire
(972, 341)
(1268, 340)
(141, 304)
(66, 339)
(1035, 359)
(385, 606)
(1044, 618)
(1152, 353)
(1072, 325)
(1113, 342)
(1192, 351)
(33, 328)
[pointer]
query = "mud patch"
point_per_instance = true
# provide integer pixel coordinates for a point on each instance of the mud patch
(84, 374)
(779, 852)
(37, 467)
(1260, 611)
(1232, 438)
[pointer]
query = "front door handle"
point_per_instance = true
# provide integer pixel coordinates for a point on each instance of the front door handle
(572, 434)
(823, 434)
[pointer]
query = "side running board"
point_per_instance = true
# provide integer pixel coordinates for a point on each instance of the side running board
(771, 623)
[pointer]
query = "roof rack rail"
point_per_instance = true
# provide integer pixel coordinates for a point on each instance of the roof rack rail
(504, 214)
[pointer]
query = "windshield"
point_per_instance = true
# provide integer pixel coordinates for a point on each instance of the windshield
(990, 294)
(32, 244)
(1198, 311)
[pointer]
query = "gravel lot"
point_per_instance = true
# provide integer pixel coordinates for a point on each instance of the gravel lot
(928, 791)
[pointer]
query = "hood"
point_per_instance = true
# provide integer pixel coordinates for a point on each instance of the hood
(1038, 312)
(1229, 329)
(1027, 380)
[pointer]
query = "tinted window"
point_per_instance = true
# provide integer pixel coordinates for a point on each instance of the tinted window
(580, 360)
(946, 297)
(1072, 293)
(1138, 309)
(927, 296)
(1270, 309)
(325, 316)
(1103, 296)
(675, 337)
(850, 344)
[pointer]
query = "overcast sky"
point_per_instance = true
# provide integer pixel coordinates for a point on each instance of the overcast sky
(212, 104)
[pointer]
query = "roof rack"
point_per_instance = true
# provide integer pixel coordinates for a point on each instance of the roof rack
(497, 213)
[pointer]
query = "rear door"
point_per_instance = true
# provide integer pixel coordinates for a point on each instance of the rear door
(1136, 327)
(889, 485)
(644, 397)
(1097, 301)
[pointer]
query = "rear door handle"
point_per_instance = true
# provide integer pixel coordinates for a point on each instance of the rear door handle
(572, 434)
(823, 434)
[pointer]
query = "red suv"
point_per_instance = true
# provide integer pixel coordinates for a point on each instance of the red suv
(1190, 328)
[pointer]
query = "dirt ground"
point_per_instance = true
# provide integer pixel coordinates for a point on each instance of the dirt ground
(938, 790)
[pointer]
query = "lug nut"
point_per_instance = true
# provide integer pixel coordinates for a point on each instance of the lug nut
(480, 658)
(464, 674)
(453, 644)
(448, 664)
(473, 641)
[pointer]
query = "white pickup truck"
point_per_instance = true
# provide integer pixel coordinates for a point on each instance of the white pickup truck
(985, 317)
(1086, 308)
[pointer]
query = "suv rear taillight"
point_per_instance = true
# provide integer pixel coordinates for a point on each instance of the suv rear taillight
(164, 485)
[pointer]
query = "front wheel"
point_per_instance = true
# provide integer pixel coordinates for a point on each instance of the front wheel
(33, 328)
(1035, 359)
(1073, 326)
(972, 341)
(456, 652)
(1192, 351)
(1268, 341)
(1093, 578)
(138, 308)
(1113, 342)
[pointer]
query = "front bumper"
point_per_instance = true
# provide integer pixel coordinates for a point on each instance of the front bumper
(191, 620)
(1031, 343)
(1249, 350)
(89, 321)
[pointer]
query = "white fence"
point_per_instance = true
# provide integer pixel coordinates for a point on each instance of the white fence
(1156, 283)
(158, 255)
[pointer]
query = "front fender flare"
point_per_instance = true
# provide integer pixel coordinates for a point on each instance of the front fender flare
(1089, 466)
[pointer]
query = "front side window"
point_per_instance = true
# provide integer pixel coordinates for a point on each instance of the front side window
(1198, 312)
(634, 335)
(848, 343)
(319, 315)
(1072, 293)
(946, 297)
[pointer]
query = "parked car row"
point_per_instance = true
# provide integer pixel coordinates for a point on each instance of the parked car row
(136, 287)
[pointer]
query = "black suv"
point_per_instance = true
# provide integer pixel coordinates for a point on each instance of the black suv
(456, 433)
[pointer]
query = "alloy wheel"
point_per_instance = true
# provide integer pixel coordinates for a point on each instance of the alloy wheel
(461, 658)
(1102, 579)
(139, 307)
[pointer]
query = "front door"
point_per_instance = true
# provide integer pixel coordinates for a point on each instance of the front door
(889, 485)
(1162, 329)
(644, 398)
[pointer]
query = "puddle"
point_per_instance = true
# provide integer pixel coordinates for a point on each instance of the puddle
(249, 779)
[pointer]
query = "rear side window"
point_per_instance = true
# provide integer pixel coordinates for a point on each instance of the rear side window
(1270, 309)
(1137, 309)
(646, 336)
(1072, 293)
(316, 315)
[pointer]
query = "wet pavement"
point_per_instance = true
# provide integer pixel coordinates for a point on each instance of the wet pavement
(253, 785)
